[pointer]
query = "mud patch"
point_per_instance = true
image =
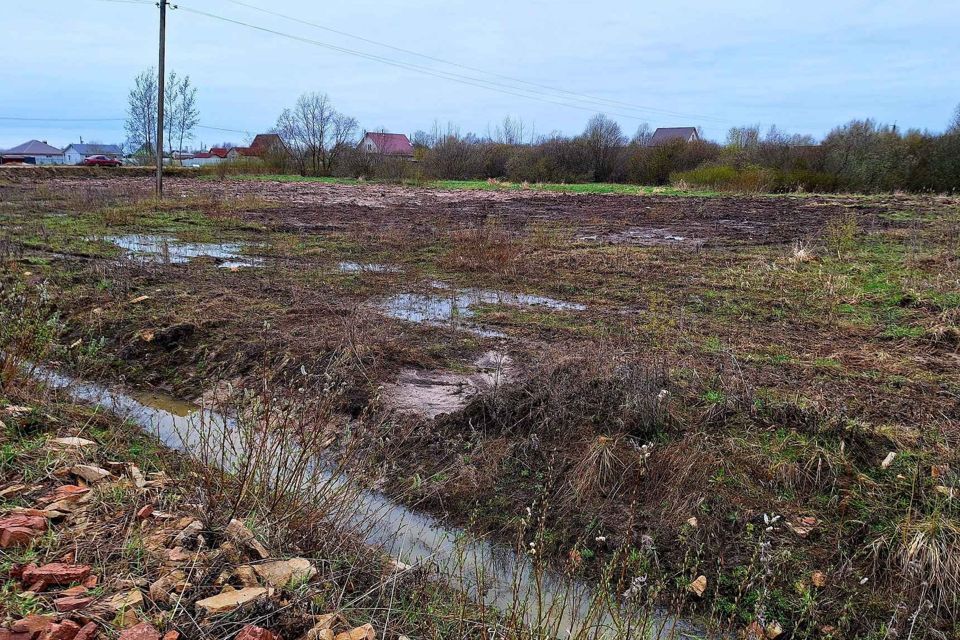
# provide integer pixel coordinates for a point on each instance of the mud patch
(432, 393)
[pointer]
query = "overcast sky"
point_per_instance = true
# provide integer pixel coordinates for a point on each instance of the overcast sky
(806, 66)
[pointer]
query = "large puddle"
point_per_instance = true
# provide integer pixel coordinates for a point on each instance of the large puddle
(456, 307)
(165, 250)
(493, 572)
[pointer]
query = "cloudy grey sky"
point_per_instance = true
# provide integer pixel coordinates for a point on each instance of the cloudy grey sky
(805, 66)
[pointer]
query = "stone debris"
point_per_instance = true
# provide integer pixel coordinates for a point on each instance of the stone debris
(145, 512)
(804, 526)
(173, 582)
(13, 491)
(131, 600)
(231, 600)
(74, 443)
(55, 573)
(251, 632)
(243, 537)
(888, 461)
(142, 631)
(70, 603)
(89, 473)
(366, 632)
(20, 530)
(698, 586)
(189, 533)
(280, 573)
(819, 579)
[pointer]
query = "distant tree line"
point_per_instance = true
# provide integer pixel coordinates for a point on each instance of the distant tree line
(862, 155)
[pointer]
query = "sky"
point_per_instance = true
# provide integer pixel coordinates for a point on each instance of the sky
(805, 67)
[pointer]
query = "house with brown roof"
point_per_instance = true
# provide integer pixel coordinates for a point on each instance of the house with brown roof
(666, 135)
(386, 144)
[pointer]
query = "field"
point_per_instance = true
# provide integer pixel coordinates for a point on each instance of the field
(646, 387)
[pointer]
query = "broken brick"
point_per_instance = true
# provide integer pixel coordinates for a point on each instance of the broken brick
(71, 603)
(87, 632)
(66, 630)
(56, 573)
(251, 632)
(143, 631)
(145, 512)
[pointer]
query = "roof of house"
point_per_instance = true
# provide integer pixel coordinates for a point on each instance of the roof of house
(220, 152)
(202, 155)
(263, 142)
(249, 152)
(669, 134)
(391, 144)
(95, 149)
(34, 148)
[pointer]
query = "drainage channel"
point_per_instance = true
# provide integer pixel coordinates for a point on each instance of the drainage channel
(483, 568)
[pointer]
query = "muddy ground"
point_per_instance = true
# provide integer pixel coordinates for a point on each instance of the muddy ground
(744, 363)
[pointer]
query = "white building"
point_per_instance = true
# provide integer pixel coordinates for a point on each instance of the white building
(34, 152)
(75, 153)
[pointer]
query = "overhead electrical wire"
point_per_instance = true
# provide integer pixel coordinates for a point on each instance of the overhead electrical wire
(445, 75)
(573, 94)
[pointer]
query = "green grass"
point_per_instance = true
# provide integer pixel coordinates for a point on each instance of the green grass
(483, 185)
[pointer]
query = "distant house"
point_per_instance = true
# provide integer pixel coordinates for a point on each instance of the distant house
(75, 153)
(666, 135)
(388, 144)
(220, 152)
(34, 152)
(266, 144)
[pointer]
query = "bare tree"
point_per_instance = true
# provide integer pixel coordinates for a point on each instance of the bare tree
(643, 135)
(181, 115)
(141, 123)
(511, 131)
(954, 126)
(604, 140)
(315, 133)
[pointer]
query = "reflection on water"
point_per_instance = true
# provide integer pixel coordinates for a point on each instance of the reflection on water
(360, 267)
(166, 250)
(452, 307)
(484, 569)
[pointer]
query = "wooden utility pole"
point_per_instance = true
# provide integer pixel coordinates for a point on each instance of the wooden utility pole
(161, 89)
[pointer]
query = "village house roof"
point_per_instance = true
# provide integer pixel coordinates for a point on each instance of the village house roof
(391, 144)
(95, 149)
(265, 142)
(220, 152)
(664, 135)
(33, 148)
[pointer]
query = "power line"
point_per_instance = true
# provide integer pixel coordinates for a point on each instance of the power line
(470, 81)
(574, 94)
(199, 126)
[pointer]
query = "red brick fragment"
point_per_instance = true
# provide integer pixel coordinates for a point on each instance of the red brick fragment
(90, 582)
(56, 573)
(66, 630)
(251, 632)
(145, 512)
(32, 624)
(6, 634)
(78, 590)
(71, 603)
(66, 492)
(88, 632)
(171, 635)
(143, 631)
(17, 536)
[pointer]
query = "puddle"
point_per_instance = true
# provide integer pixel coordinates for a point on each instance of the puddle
(360, 267)
(649, 237)
(482, 568)
(455, 308)
(432, 393)
(166, 250)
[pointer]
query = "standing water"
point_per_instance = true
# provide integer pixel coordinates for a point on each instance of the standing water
(495, 572)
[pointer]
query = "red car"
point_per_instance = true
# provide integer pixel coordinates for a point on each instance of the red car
(100, 161)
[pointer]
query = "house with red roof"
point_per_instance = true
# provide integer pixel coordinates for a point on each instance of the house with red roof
(387, 144)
